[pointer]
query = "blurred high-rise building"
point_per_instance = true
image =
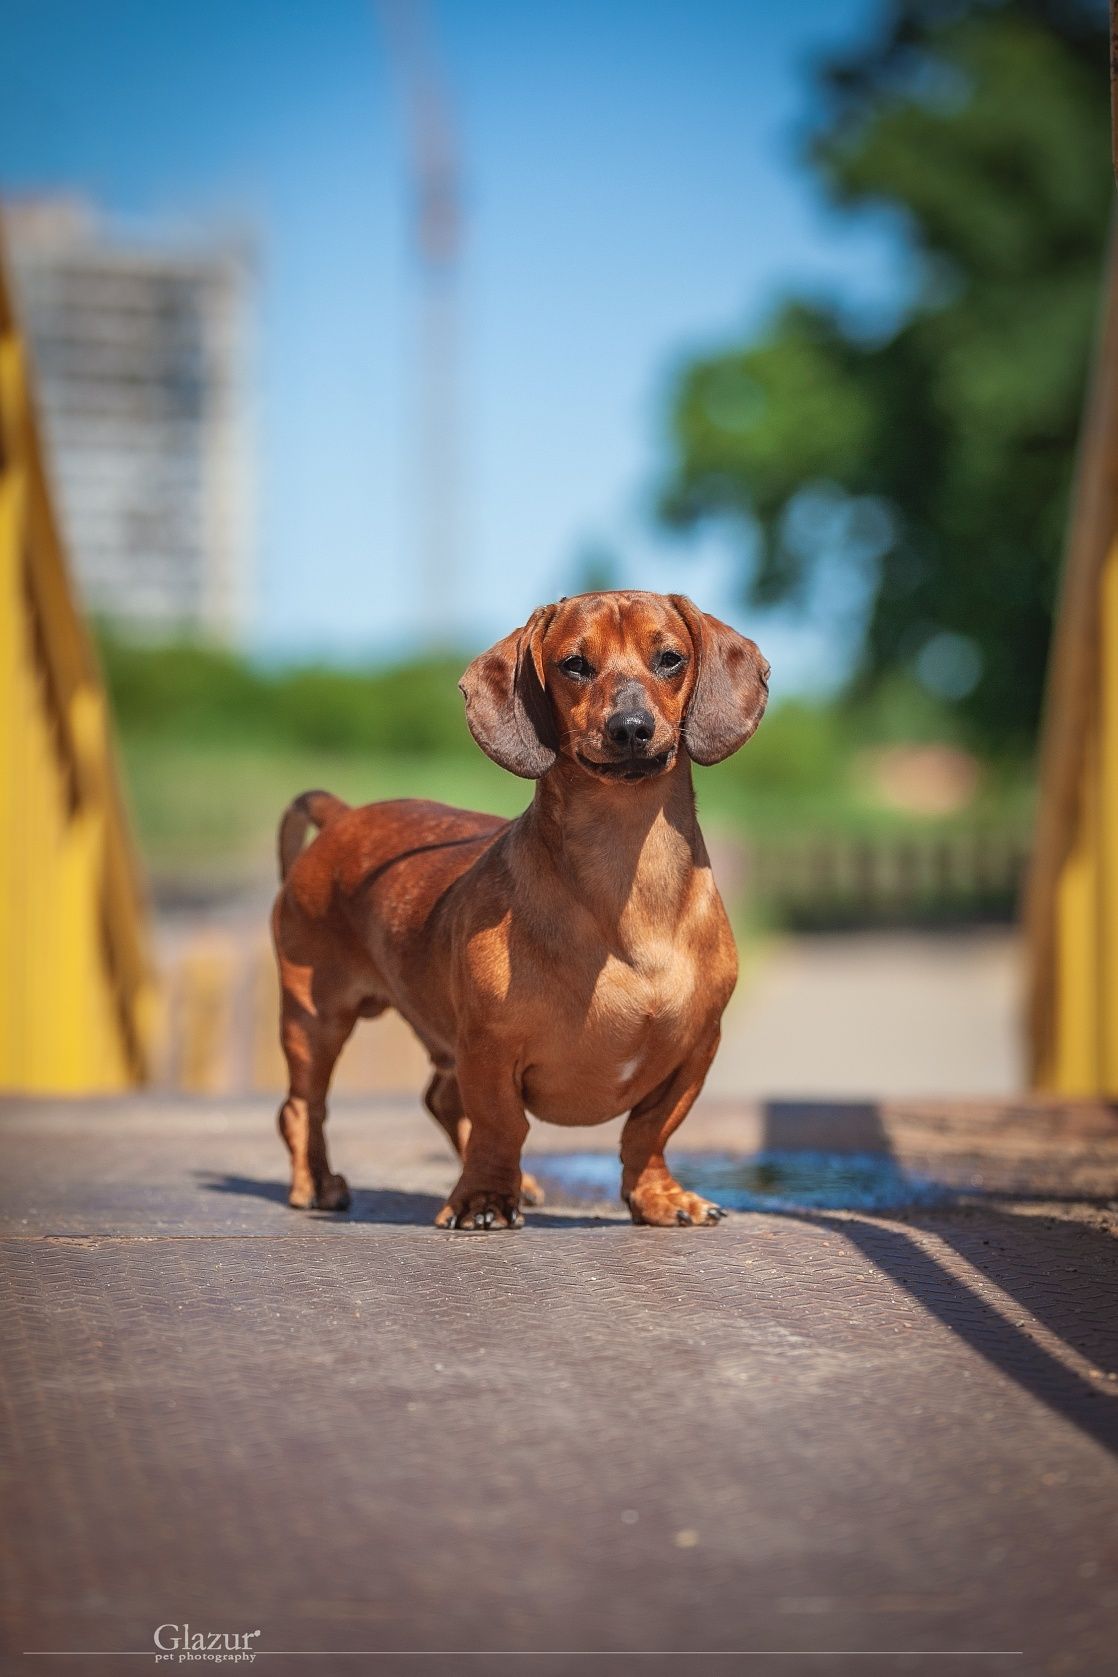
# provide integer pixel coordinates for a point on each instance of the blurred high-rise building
(140, 349)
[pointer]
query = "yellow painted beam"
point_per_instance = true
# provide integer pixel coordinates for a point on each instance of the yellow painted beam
(1075, 1044)
(77, 992)
(1106, 769)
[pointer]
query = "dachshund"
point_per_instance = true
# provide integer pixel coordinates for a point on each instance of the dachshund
(573, 963)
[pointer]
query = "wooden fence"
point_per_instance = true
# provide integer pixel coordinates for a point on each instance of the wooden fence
(905, 880)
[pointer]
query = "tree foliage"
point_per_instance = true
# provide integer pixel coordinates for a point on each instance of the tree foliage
(938, 456)
(189, 692)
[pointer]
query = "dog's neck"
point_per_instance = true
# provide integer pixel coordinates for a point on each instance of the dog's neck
(628, 851)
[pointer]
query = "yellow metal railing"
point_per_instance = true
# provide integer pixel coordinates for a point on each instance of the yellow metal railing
(1072, 899)
(77, 992)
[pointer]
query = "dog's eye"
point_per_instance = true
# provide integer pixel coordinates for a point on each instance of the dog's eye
(576, 665)
(670, 663)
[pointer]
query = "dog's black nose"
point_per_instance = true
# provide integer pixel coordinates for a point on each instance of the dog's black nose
(630, 728)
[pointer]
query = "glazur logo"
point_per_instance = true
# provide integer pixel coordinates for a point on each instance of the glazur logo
(183, 1645)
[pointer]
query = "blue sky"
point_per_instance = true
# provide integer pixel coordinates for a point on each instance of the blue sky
(633, 191)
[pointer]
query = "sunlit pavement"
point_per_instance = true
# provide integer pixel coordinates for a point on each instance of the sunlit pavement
(840, 1014)
(821, 1432)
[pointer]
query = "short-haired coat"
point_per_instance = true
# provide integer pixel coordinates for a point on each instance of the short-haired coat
(573, 963)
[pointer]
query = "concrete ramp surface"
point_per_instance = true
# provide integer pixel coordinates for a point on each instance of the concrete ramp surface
(818, 1438)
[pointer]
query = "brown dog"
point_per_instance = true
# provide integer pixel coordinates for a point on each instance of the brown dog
(573, 963)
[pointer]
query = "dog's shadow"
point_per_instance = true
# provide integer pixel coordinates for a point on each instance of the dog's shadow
(399, 1206)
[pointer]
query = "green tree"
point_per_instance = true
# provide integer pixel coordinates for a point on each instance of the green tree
(937, 458)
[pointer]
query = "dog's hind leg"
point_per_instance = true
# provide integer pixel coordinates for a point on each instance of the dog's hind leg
(443, 1100)
(311, 1045)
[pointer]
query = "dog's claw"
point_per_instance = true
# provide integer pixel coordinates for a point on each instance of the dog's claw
(483, 1218)
(673, 1207)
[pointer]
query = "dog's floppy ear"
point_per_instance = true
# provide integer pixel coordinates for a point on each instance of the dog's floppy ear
(731, 686)
(506, 704)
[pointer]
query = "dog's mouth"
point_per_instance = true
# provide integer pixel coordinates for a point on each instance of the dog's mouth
(628, 768)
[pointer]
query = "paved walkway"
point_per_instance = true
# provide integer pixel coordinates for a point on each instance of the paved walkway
(818, 1439)
(916, 1013)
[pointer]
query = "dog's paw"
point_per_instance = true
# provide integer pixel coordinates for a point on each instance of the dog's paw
(665, 1205)
(530, 1191)
(332, 1195)
(480, 1211)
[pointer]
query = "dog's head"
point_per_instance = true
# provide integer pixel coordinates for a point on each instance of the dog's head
(615, 683)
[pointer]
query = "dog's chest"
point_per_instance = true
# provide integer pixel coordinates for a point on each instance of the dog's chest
(650, 990)
(616, 1041)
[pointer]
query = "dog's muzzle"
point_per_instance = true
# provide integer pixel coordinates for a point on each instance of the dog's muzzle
(630, 766)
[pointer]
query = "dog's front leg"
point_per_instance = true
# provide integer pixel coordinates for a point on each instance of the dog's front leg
(487, 1194)
(647, 1185)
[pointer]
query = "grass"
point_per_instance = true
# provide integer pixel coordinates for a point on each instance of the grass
(212, 809)
(209, 809)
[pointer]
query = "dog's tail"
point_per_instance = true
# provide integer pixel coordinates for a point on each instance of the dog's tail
(310, 809)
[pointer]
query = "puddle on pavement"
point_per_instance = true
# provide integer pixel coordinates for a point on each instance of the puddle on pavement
(768, 1181)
